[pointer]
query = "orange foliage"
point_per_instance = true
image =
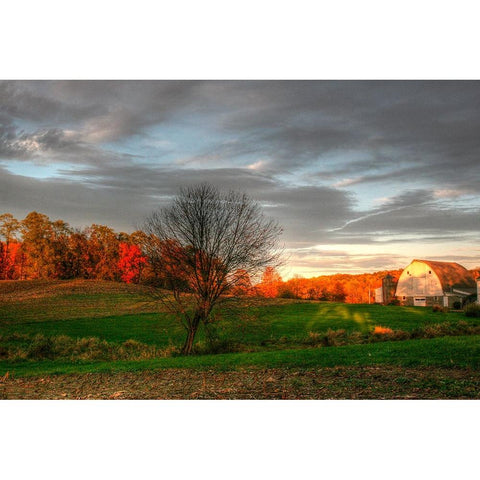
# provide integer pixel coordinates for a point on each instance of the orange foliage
(270, 285)
(173, 261)
(241, 283)
(382, 330)
(336, 288)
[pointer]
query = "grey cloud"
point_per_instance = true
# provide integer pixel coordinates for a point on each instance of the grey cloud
(462, 174)
(306, 212)
(424, 130)
(7, 138)
(123, 195)
(419, 220)
(116, 108)
(415, 212)
(430, 126)
(38, 101)
(157, 180)
(54, 145)
(76, 203)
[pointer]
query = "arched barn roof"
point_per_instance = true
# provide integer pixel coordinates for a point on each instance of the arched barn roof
(451, 274)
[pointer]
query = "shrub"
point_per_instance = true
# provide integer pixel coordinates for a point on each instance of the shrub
(170, 351)
(381, 330)
(438, 308)
(464, 327)
(217, 346)
(314, 339)
(131, 344)
(436, 330)
(334, 338)
(41, 347)
(472, 310)
(356, 337)
(64, 347)
(381, 334)
(92, 349)
(457, 305)
(15, 336)
(399, 335)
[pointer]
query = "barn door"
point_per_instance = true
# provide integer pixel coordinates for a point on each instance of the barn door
(419, 302)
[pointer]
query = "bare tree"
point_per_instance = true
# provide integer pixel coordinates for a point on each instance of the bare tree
(200, 242)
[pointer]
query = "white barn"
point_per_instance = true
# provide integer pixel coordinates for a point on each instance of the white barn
(426, 283)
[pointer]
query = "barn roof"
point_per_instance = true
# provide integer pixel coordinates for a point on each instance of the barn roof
(451, 274)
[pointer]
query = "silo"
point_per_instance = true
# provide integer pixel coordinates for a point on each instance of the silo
(388, 289)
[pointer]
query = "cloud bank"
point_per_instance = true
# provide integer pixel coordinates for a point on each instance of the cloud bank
(380, 171)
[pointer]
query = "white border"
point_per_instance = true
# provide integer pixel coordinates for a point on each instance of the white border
(238, 439)
(214, 39)
(241, 40)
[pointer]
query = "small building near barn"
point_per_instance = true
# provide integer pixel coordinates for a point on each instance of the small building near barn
(379, 295)
(386, 293)
(427, 283)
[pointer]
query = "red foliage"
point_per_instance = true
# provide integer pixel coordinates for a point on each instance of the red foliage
(130, 262)
(11, 261)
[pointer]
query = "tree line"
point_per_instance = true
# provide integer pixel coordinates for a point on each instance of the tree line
(344, 288)
(37, 247)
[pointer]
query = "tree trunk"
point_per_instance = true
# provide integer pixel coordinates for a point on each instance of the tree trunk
(187, 347)
(191, 332)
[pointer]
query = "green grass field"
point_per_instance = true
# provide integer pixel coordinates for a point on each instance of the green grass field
(270, 333)
(461, 352)
(119, 312)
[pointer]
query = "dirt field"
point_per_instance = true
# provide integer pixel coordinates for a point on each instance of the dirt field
(320, 383)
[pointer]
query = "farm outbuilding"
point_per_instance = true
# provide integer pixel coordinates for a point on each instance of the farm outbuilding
(386, 293)
(426, 283)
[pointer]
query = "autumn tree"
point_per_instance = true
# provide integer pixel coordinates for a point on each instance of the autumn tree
(204, 237)
(9, 228)
(78, 254)
(101, 255)
(241, 283)
(60, 249)
(270, 284)
(130, 262)
(37, 232)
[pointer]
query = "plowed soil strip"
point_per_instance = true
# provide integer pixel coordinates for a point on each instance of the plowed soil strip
(320, 383)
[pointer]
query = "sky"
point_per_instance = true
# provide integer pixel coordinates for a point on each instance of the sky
(362, 175)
